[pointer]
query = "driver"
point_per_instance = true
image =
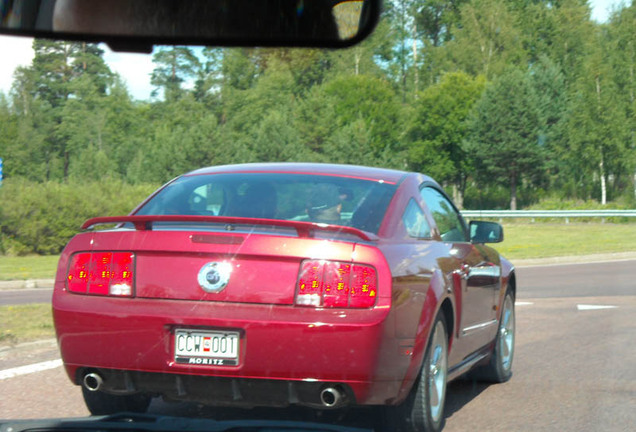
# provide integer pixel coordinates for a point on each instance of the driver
(324, 204)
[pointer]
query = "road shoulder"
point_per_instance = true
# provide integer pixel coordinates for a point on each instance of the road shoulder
(27, 284)
(580, 259)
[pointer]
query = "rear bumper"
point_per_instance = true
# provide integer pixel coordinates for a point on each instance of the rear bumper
(287, 353)
(234, 392)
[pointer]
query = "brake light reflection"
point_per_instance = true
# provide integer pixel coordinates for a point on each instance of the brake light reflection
(101, 273)
(336, 284)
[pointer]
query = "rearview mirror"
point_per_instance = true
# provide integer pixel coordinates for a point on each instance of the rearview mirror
(485, 232)
(143, 23)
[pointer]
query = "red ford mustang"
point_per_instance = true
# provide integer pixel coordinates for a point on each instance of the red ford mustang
(278, 284)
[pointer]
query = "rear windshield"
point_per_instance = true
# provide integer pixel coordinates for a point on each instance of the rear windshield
(313, 198)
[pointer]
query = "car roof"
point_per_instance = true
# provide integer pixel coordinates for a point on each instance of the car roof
(353, 171)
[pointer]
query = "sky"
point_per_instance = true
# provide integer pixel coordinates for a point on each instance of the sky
(135, 69)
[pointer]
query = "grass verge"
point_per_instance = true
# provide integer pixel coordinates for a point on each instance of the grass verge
(28, 267)
(24, 323)
(545, 240)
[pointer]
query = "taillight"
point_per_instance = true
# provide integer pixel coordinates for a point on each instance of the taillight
(101, 273)
(336, 284)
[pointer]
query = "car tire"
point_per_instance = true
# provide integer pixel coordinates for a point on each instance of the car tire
(423, 409)
(499, 368)
(100, 403)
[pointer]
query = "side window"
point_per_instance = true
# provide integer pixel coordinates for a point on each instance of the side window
(448, 221)
(415, 221)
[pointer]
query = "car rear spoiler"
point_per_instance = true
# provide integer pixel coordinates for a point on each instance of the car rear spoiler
(304, 229)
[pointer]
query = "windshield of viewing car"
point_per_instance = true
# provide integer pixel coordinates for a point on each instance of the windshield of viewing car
(310, 198)
(526, 105)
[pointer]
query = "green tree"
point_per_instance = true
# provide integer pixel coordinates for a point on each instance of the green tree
(373, 56)
(176, 137)
(209, 77)
(121, 135)
(174, 66)
(572, 38)
(241, 67)
(315, 119)
(57, 63)
(31, 155)
(436, 19)
(57, 75)
(89, 61)
(245, 109)
(548, 82)
(277, 140)
(598, 129)
(439, 127)
(401, 14)
(308, 67)
(503, 133)
(373, 101)
(622, 57)
(487, 39)
(350, 144)
(434, 27)
(8, 136)
(81, 128)
(53, 69)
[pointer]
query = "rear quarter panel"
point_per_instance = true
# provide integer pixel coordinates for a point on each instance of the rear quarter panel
(421, 280)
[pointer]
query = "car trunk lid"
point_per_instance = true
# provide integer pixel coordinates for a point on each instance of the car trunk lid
(222, 260)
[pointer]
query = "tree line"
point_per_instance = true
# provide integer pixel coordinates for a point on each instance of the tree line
(504, 102)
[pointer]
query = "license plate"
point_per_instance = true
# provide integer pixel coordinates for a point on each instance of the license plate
(214, 348)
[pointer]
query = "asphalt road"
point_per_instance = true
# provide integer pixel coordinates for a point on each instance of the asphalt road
(574, 366)
(25, 296)
(608, 279)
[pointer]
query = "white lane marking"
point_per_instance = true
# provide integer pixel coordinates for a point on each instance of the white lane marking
(28, 369)
(583, 307)
(523, 303)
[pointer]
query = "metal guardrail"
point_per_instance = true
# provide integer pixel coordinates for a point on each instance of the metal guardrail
(531, 214)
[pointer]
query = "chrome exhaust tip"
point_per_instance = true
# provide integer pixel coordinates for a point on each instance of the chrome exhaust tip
(330, 397)
(93, 381)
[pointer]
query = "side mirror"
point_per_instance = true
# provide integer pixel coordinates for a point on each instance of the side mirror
(485, 232)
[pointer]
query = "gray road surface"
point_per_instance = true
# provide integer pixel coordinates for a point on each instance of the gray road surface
(25, 296)
(578, 280)
(574, 367)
